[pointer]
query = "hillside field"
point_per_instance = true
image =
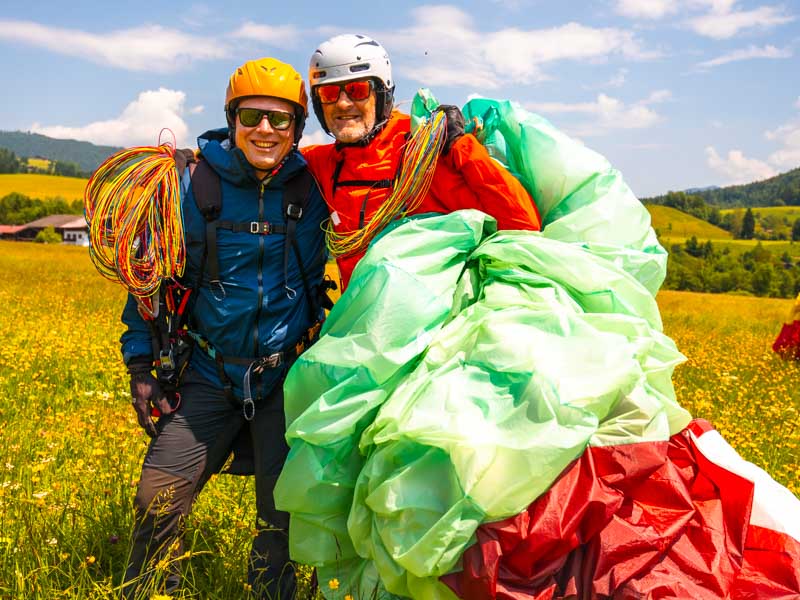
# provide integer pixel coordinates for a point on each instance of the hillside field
(39, 163)
(675, 227)
(783, 212)
(674, 224)
(73, 449)
(42, 186)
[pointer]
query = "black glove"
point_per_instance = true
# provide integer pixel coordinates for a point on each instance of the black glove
(455, 125)
(145, 393)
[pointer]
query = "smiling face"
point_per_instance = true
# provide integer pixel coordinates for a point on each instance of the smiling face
(264, 147)
(350, 120)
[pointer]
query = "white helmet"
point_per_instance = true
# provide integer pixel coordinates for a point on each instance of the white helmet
(353, 56)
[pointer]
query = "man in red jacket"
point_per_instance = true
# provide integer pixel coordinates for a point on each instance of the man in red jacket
(352, 91)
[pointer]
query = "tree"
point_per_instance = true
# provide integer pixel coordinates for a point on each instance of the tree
(47, 235)
(9, 163)
(762, 279)
(748, 225)
(67, 169)
(796, 230)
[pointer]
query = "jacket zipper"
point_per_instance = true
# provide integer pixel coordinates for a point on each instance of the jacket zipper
(260, 265)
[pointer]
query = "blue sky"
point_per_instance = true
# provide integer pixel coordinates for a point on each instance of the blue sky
(675, 93)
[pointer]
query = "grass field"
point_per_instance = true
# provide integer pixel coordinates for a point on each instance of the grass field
(42, 186)
(789, 212)
(777, 247)
(39, 163)
(72, 449)
(672, 223)
(675, 227)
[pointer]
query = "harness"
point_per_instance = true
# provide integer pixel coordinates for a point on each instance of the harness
(173, 337)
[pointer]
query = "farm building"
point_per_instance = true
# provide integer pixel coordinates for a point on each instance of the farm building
(9, 232)
(73, 229)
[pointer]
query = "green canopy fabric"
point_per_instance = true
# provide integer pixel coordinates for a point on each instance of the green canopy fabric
(464, 368)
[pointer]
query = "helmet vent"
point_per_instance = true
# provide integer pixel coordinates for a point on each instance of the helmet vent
(359, 68)
(319, 74)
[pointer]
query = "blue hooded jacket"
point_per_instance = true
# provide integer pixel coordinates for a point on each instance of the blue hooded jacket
(253, 314)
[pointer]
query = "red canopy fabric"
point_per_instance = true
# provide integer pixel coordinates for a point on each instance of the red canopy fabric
(647, 520)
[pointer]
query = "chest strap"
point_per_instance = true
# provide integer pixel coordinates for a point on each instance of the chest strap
(370, 183)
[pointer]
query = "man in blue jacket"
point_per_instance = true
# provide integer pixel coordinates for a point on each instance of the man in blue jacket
(255, 263)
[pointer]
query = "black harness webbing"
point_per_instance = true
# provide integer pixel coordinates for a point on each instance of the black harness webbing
(207, 190)
(370, 183)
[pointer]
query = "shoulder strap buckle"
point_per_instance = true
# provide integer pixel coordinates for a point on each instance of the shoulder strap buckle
(294, 211)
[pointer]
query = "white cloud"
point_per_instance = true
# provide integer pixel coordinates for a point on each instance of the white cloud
(746, 54)
(607, 113)
(721, 23)
(715, 6)
(645, 9)
(272, 35)
(139, 124)
(443, 47)
(788, 135)
(147, 48)
(196, 110)
(719, 19)
(657, 97)
(615, 81)
(737, 168)
(797, 104)
(315, 137)
(740, 169)
(618, 80)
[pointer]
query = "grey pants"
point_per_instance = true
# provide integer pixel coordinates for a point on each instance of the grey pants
(192, 444)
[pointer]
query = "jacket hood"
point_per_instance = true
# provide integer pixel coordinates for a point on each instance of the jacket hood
(231, 164)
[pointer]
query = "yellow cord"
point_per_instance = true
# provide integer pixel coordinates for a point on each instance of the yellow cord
(412, 184)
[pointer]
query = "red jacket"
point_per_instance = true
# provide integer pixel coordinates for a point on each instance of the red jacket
(466, 178)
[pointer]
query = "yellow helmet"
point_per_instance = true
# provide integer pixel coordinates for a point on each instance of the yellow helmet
(267, 77)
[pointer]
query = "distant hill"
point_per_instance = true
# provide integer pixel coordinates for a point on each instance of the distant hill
(701, 189)
(781, 190)
(87, 155)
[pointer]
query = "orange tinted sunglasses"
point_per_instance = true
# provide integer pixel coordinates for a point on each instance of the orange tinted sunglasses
(355, 90)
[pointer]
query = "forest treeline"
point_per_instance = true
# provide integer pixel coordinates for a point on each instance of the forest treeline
(781, 190)
(10, 163)
(697, 266)
(18, 209)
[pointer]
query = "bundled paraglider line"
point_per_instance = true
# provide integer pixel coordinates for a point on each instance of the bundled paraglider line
(132, 206)
(410, 187)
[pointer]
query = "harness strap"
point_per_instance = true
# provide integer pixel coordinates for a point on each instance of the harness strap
(296, 194)
(371, 183)
(255, 365)
(207, 188)
(254, 227)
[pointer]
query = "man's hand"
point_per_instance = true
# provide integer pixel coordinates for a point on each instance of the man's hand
(145, 393)
(455, 125)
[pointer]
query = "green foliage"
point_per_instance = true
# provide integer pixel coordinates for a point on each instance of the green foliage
(702, 267)
(18, 209)
(68, 169)
(748, 225)
(796, 230)
(783, 189)
(48, 235)
(9, 163)
(691, 204)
